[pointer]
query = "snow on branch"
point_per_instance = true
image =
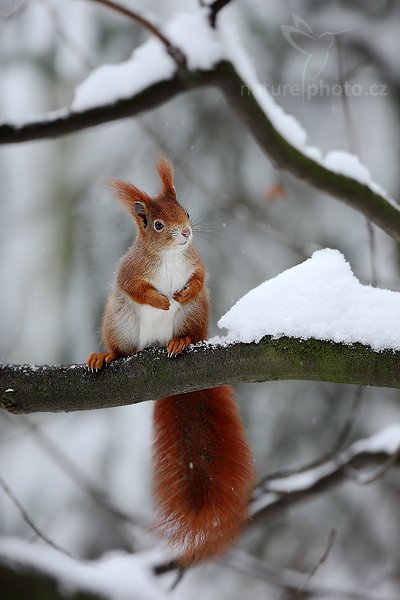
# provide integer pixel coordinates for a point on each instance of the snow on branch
(320, 298)
(213, 57)
(380, 451)
(27, 567)
(340, 174)
(63, 122)
(188, 32)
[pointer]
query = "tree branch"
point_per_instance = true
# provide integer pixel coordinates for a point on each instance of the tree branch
(12, 497)
(331, 453)
(285, 156)
(274, 496)
(64, 122)
(150, 374)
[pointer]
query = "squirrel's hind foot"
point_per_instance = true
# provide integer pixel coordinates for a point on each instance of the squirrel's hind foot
(177, 345)
(97, 360)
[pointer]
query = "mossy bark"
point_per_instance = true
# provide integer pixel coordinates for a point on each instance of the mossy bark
(150, 374)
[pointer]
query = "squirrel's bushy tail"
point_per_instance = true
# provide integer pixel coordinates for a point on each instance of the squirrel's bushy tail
(203, 472)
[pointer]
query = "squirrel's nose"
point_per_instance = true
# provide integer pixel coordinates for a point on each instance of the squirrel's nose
(185, 231)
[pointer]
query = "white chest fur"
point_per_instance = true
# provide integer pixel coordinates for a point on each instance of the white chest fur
(156, 326)
(173, 273)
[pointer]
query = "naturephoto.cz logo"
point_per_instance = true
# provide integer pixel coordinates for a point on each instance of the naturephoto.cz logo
(316, 49)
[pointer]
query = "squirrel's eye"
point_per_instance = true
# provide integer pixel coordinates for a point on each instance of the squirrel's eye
(158, 225)
(187, 214)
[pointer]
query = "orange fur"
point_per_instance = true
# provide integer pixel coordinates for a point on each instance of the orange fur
(128, 194)
(177, 345)
(203, 465)
(166, 174)
(203, 472)
(144, 293)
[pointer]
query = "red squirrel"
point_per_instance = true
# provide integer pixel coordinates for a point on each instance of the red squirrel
(203, 467)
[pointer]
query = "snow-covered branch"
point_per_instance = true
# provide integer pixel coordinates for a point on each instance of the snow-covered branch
(213, 57)
(54, 576)
(374, 454)
(334, 175)
(64, 122)
(18, 579)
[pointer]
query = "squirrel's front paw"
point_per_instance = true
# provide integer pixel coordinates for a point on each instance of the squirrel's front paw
(160, 301)
(97, 360)
(183, 296)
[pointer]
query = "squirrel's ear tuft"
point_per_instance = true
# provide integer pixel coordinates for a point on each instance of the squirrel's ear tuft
(136, 202)
(166, 173)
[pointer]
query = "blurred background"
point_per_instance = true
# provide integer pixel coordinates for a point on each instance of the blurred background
(61, 235)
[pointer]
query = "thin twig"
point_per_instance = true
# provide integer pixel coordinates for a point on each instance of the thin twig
(57, 23)
(215, 8)
(97, 495)
(332, 452)
(172, 50)
(372, 252)
(288, 578)
(181, 571)
(29, 521)
(329, 545)
(349, 128)
(355, 149)
(55, 453)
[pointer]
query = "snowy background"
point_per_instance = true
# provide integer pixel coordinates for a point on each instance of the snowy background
(61, 235)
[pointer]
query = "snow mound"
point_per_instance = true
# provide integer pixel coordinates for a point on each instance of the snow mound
(322, 299)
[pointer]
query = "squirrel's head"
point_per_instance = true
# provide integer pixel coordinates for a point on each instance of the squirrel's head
(161, 220)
